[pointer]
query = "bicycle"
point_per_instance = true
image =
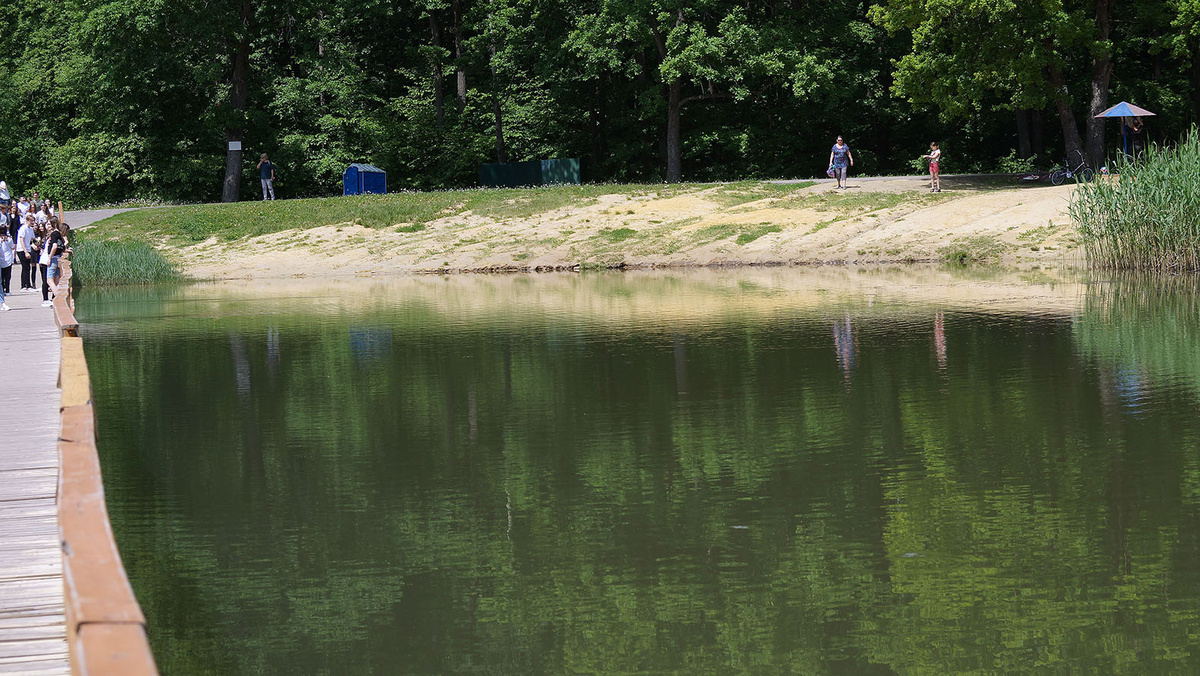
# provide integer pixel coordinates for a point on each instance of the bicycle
(1080, 170)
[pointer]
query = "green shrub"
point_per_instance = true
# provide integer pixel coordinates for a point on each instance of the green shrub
(1011, 164)
(105, 262)
(1147, 215)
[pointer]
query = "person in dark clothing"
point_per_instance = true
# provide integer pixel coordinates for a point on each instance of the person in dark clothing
(54, 244)
(13, 220)
(1137, 138)
(266, 174)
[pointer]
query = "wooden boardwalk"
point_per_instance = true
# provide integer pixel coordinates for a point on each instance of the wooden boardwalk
(32, 621)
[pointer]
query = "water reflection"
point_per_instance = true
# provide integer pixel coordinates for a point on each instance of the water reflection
(844, 345)
(939, 338)
(612, 480)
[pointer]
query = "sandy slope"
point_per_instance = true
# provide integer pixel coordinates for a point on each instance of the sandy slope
(1022, 224)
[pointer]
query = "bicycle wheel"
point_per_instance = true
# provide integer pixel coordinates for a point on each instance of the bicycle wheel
(1058, 176)
(1087, 174)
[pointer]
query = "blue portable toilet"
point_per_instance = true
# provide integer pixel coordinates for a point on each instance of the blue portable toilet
(361, 179)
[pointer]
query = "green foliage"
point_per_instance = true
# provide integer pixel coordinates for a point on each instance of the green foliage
(1147, 214)
(117, 100)
(1011, 164)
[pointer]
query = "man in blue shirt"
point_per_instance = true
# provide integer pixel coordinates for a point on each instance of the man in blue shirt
(266, 174)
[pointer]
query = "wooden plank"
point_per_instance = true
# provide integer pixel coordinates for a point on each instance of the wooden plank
(46, 667)
(32, 611)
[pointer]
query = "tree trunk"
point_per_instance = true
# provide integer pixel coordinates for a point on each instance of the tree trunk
(439, 77)
(460, 74)
(497, 113)
(231, 191)
(500, 153)
(674, 151)
(1102, 68)
(321, 55)
(1037, 131)
(1196, 85)
(1024, 142)
(599, 129)
(1065, 117)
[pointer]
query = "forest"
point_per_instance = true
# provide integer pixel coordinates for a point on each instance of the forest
(118, 100)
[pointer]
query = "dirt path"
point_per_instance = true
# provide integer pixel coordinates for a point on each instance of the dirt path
(877, 220)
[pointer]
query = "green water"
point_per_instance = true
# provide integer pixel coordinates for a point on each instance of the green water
(654, 475)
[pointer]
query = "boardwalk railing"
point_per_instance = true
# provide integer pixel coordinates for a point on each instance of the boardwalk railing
(106, 631)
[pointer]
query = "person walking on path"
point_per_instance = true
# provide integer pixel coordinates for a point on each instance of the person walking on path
(840, 160)
(266, 174)
(935, 178)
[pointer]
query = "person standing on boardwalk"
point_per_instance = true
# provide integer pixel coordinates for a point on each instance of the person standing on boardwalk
(61, 248)
(7, 256)
(13, 222)
(840, 160)
(25, 253)
(52, 248)
(935, 178)
(266, 174)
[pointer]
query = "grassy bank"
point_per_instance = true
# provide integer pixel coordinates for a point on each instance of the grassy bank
(110, 262)
(605, 226)
(406, 211)
(1147, 216)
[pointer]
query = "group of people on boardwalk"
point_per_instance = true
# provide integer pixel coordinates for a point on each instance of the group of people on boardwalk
(32, 234)
(841, 159)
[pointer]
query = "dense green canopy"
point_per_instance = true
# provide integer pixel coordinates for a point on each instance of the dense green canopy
(118, 99)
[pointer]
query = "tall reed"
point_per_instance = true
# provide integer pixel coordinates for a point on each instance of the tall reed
(1146, 215)
(101, 262)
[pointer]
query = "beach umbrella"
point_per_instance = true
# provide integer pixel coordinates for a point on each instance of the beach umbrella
(1122, 110)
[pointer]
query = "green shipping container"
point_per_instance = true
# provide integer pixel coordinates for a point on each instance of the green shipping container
(521, 174)
(560, 171)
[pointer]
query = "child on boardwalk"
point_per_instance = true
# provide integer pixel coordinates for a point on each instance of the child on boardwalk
(935, 179)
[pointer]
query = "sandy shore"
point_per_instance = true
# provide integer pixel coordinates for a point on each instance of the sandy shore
(877, 221)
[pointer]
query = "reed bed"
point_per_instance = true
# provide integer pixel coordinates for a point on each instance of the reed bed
(1145, 216)
(112, 262)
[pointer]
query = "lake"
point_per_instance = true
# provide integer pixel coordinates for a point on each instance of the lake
(758, 471)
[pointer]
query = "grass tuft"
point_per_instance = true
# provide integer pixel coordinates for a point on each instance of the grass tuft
(753, 232)
(618, 235)
(107, 262)
(1147, 215)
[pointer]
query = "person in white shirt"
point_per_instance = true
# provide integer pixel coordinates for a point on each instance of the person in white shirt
(5, 195)
(7, 256)
(25, 254)
(23, 207)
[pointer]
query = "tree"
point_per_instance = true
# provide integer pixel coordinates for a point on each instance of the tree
(703, 54)
(966, 55)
